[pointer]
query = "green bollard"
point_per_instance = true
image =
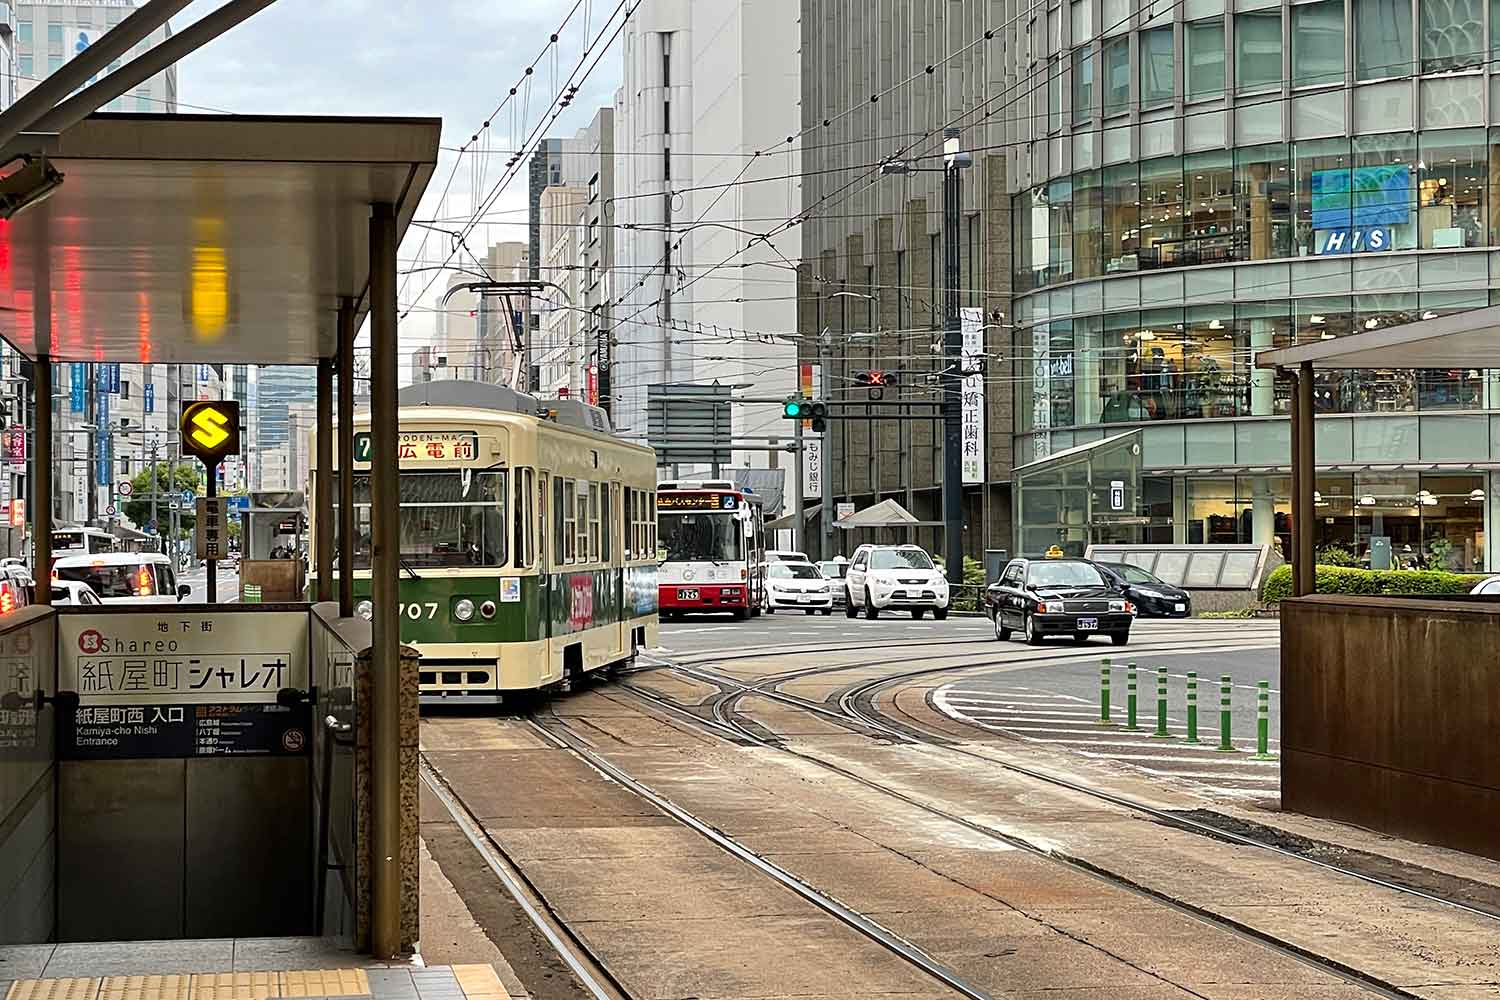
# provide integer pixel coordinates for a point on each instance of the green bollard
(1130, 697)
(1263, 721)
(1104, 692)
(1192, 706)
(1225, 685)
(1161, 705)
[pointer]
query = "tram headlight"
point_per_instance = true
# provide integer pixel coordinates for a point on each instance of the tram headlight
(463, 610)
(487, 609)
(365, 610)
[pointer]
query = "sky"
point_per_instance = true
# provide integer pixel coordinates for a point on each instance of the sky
(443, 58)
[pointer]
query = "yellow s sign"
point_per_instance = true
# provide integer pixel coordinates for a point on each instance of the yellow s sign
(210, 430)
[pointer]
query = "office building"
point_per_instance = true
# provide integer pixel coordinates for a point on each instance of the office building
(1194, 184)
(707, 85)
(871, 286)
(48, 35)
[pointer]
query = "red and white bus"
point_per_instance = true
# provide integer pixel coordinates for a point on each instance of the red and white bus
(710, 537)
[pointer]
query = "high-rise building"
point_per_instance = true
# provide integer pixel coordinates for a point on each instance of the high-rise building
(280, 389)
(703, 169)
(48, 35)
(504, 319)
(1197, 183)
(871, 290)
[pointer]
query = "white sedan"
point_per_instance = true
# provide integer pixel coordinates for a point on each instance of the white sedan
(797, 586)
(73, 592)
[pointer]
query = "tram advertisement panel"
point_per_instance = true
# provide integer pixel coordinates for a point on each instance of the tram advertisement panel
(182, 684)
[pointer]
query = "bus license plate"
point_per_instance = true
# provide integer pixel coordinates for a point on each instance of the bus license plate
(687, 595)
(1088, 624)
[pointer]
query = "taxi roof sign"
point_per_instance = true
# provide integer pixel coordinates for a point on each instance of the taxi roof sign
(1055, 552)
(210, 430)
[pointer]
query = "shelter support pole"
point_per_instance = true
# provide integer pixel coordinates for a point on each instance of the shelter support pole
(323, 482)
(41, 486)
(1307, 459)
(1298, 514)
(346, 458)
(385, 892)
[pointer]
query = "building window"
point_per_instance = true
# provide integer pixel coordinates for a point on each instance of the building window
(1257, 59)
(54, 63)
(1054, 95)
(935, 255)
(1117, 74)
(1450, 189)
(1059, 231)
(1452, 34)
(1323, 171)
(142, 105)
(1318, 43)
(1088, 218)
(1209, 208)
(1122, 218)
(27, 68)
(54, 37)
(1083, 83)
(1263, 201)
(1383, 190)
(1161, 213)
(1205, 59)
(1157, 63)
(1382, 38)
(23, 32)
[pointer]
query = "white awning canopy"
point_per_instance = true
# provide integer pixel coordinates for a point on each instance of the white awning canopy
(885, 514)
(1461, 340)
(208, 239)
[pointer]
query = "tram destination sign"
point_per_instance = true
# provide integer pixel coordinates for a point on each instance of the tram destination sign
(415, 447)
(697, 501)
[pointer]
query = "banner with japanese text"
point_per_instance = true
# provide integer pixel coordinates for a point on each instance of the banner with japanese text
(972, 406)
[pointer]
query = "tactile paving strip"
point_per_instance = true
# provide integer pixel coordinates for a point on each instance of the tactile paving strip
(212, 986)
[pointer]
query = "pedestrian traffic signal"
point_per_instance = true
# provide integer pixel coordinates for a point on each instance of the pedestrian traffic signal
(210, 430)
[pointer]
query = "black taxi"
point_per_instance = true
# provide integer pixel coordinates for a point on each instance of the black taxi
(1042, 597)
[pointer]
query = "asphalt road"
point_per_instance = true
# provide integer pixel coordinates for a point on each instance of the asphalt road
(228, 585)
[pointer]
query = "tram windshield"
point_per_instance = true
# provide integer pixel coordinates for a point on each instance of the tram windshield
(449, 518)
(700, 537)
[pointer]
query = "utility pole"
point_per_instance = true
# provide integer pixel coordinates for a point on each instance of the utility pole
(799, 494)
(825, 453)
(953, 488)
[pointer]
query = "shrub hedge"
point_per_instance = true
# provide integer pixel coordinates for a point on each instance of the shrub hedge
(1369, 583)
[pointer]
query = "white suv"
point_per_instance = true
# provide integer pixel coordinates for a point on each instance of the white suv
(894, 578)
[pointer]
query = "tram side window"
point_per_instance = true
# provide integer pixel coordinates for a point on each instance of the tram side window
(606, 522)
(525, 518)
(559, 528)
(595, 528)
(581, 524)
(569, 509)
(651, 543)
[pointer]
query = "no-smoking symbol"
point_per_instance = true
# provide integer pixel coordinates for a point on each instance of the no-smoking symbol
(292, 740)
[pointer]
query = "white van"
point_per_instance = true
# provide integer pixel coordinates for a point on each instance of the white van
(124, 577)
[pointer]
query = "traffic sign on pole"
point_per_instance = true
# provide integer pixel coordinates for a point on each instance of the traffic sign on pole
(188, 498)
(124, 487)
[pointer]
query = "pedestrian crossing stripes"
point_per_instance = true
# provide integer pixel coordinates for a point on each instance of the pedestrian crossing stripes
(1068, 722)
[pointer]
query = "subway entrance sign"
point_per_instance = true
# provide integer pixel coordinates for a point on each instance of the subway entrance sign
(210, 430)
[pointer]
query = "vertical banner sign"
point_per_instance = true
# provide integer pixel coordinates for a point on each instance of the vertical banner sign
(149, 397)
(1041, 399)
(114, 378)
(972, 403)
(78, 376)
(102, 434)
(812, 441)
(593, 386)
(15, 444)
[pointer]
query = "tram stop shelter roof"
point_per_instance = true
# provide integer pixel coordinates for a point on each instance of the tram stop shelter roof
(1461, 340)
(208, 239)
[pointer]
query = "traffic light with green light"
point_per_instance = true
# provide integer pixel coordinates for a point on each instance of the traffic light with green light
(813, 410)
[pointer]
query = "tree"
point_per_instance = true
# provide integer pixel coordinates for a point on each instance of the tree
(138, 507)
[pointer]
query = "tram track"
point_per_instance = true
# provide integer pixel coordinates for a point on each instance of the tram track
(590, 972)
(561, 735)
(856, 704)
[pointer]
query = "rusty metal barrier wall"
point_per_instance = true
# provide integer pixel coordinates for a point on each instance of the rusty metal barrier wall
(1388, 709)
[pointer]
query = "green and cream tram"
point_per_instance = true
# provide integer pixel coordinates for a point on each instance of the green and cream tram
(528, 540)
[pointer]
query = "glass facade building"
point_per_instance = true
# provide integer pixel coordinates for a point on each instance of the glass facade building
(1197, 181)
